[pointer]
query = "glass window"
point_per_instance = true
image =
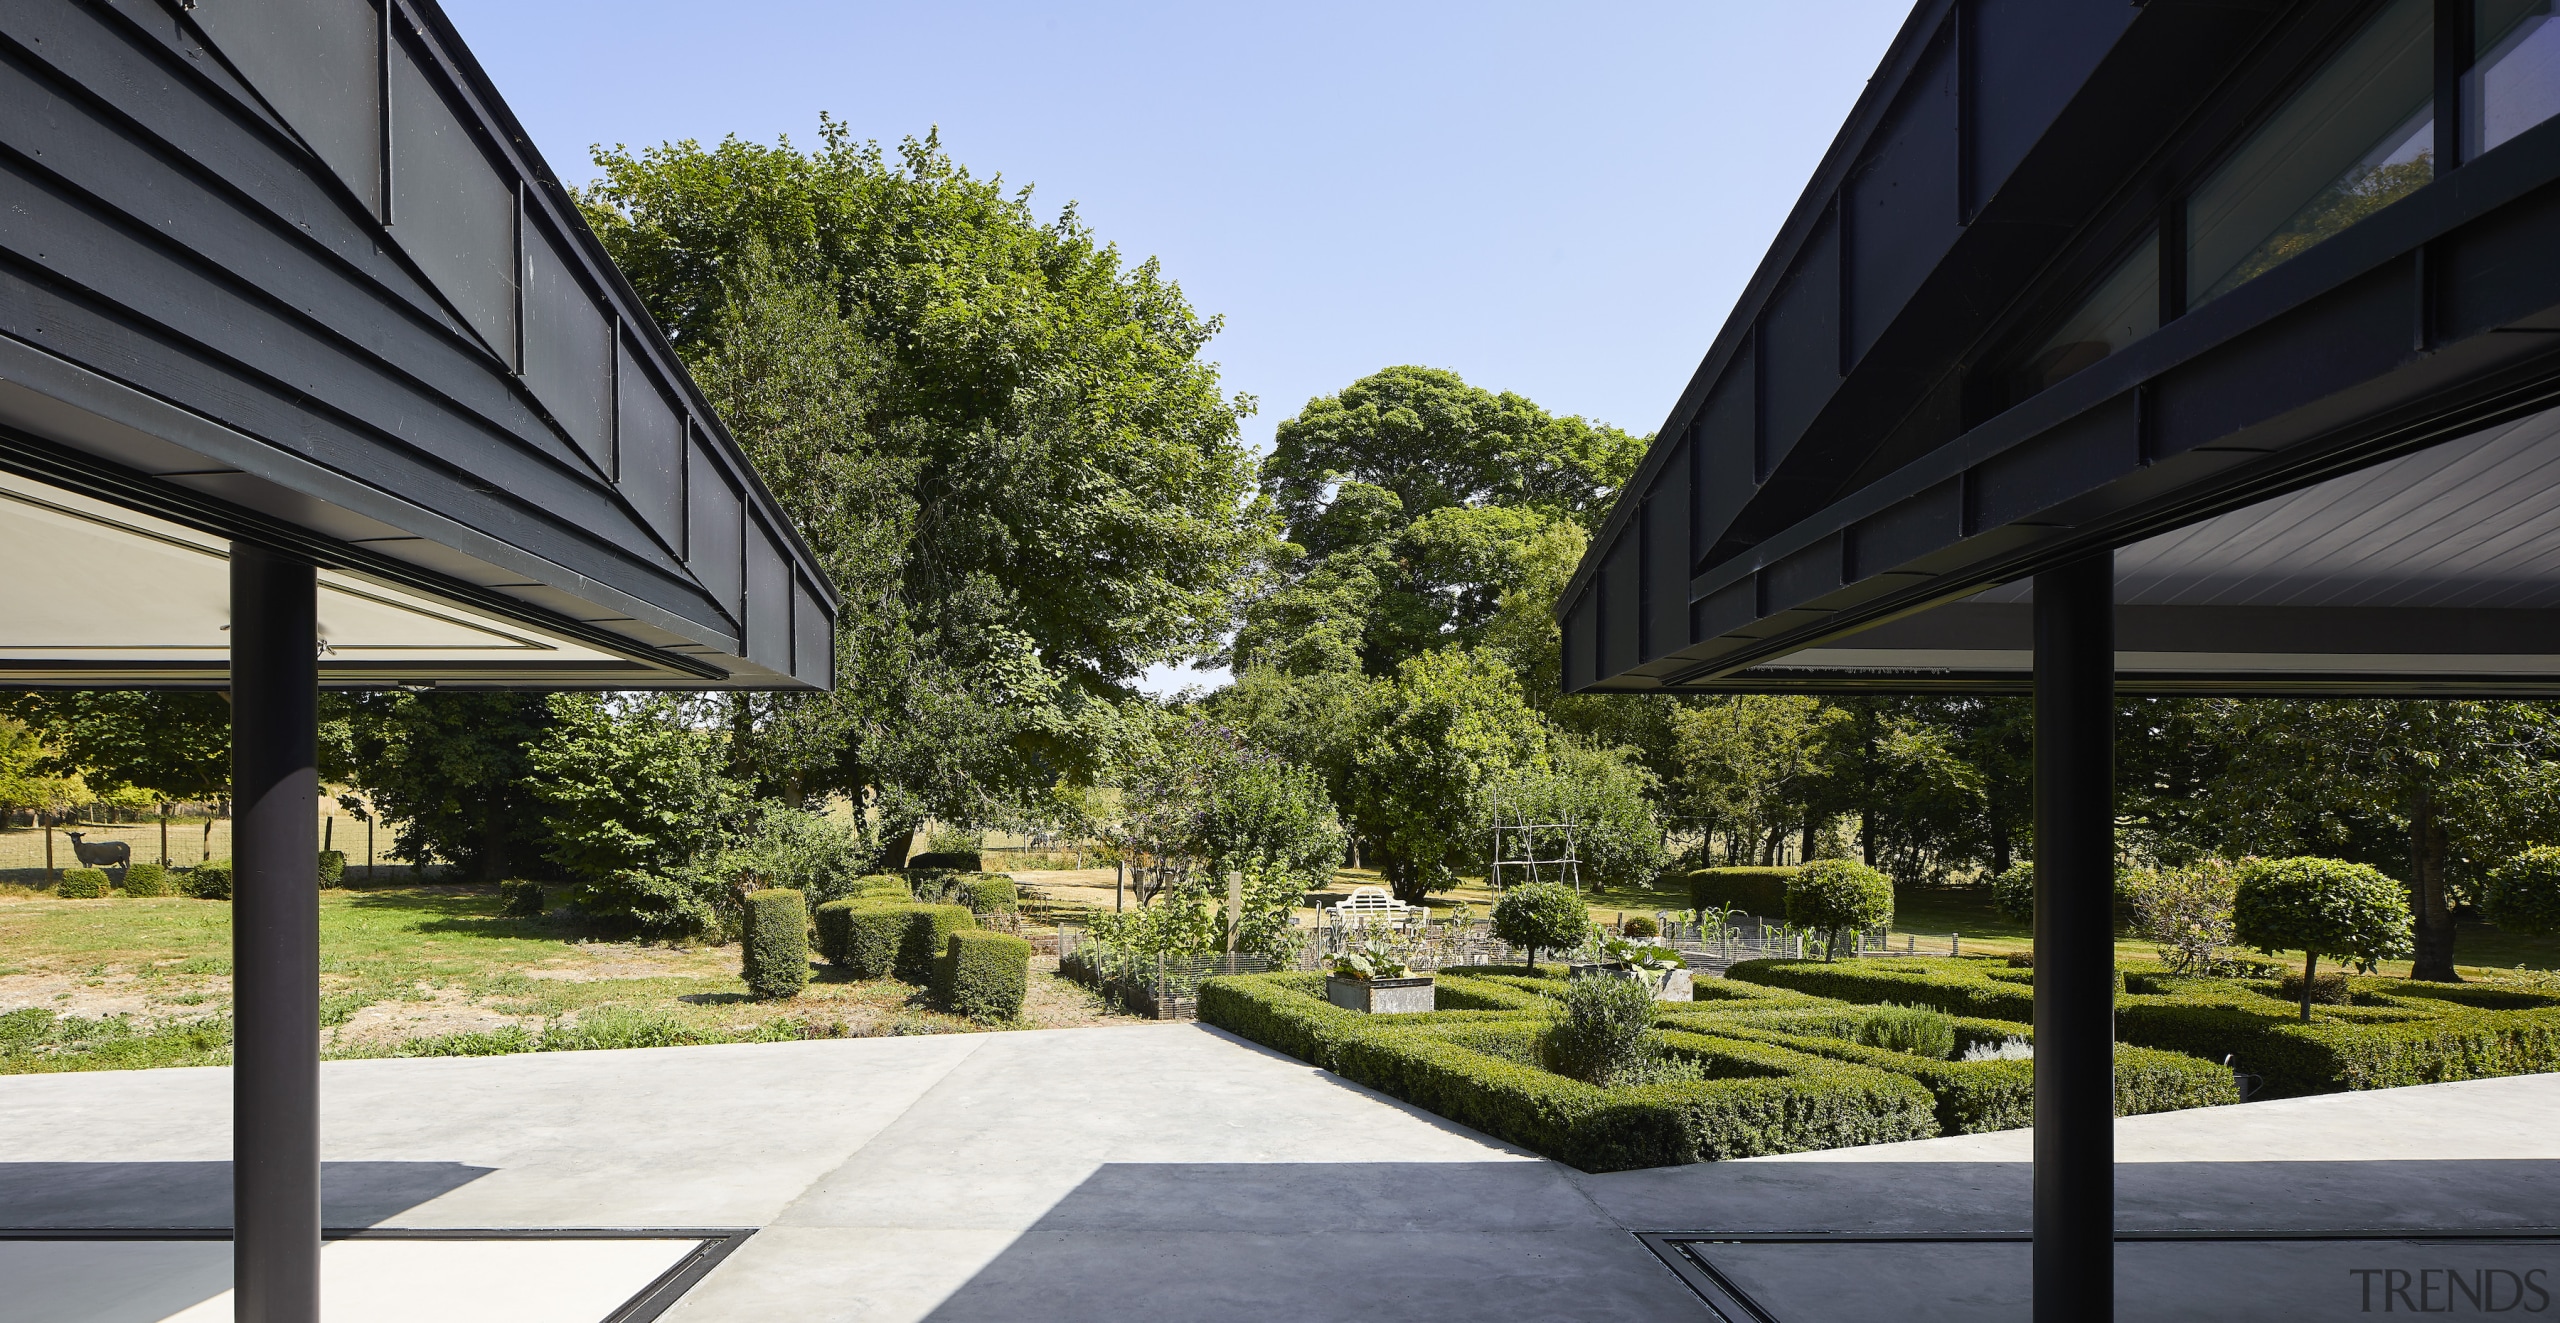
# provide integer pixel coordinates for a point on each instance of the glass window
(2358, 137)
(2124, 308)
(2514, 81)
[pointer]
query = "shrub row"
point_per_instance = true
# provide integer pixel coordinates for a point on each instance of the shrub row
(1958, 986)
(1761, 891)
(1758, 1098)
(881, 939)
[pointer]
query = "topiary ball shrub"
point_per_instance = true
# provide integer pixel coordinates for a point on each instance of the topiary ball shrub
(2327, 989)
(1640, 928)
(983, 975)
(2013, 891)
(82, 884)
(1541, 916)
(989, 893)
(521, 898)
(2320, 907)
(1918, 1030)
(2022, 960)
(2523, 895)
(1606, 1033)
(1836, 896)
(210, 880)
(146, 879)
(333, 867)
(774, 950)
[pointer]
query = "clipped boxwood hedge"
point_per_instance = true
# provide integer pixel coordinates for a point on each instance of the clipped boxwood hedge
(774, 950)
(1956, 985)
(881, 939)
(146, 879)
(983, 975)
(82, 884)
(948, 861)
(1760, 891)
(989, 893)
(1759, 1098)
(210, 880)
(879, 886)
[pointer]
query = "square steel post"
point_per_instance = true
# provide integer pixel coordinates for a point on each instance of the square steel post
(275, 938)
(2075, 809)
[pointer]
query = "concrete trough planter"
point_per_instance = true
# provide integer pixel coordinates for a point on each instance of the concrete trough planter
(1668, 984)
(1380, 996)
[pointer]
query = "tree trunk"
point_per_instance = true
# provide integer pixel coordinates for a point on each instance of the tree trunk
(1804, 851)
(2433, 960)
(2310, 964)
(895, 845)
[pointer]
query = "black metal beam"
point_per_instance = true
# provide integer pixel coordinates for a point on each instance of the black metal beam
(275, 936)
(2075, 942)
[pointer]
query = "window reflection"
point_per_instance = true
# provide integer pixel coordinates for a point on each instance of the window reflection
(2514, 81)
(2357, 138)
(2124, 308)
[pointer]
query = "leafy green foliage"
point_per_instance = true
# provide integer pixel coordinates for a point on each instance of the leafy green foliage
(176, 742)
(2187, 911)
(2013, 891)
(990, 893)
(1640, 928)
(1836, 896)
(521, 898)
(210, 880)
(1450, 727)
(1376, 957)
(2523, 895)
(1758, 891)
(145, 878)
(1608, 797)
(1918, 1030)
(2322, 907)
(1606, 1032)
(332, 867)
(82, 884)
(882, 939)
(449, 770)
(983, 975)
(638, 800)
(774, 950)
(1541, 916)
(32, 776)
(781, 846)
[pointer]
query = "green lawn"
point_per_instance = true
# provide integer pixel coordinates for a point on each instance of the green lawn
(411, 970)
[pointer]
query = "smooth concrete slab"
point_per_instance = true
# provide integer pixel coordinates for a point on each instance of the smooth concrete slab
(1149, 1171)
(377, 1281)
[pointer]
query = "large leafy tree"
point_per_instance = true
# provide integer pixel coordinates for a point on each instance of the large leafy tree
(1000, 436)
(447, 770)
(174, 742)
(1441, 737)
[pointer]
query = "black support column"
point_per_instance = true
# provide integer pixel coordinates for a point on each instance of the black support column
(2075, 942)
(275, 938)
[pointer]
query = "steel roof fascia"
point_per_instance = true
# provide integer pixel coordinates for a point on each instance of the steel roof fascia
(1883, 87)
(453, 56)
(117, 402)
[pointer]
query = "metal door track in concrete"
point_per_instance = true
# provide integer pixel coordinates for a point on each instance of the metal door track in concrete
(383, 1274)
(2168, 1276)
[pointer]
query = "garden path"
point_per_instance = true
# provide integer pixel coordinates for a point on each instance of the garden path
(1170, 1170)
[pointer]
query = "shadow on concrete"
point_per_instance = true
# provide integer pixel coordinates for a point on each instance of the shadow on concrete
(35, 1195)
(1275, 1241)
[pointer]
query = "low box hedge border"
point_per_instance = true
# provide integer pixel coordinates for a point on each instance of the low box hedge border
(1956, 985)
(871, 939)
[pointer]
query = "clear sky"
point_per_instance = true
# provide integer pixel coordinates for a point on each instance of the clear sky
(1558, 200)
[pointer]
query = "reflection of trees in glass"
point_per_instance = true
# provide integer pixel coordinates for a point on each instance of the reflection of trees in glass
(2360, 193)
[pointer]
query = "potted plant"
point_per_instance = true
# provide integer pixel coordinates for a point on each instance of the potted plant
(1374, 978)
(1649, 962)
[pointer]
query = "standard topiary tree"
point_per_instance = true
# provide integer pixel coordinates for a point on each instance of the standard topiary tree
(983, 975)
(2321, 907)
(1541, 916)
(146, 879)
(1834, 896)
(2523, 895)
(774, 952)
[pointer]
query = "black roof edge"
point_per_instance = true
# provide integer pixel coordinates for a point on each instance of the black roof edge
(508, 134)
(1919, 28)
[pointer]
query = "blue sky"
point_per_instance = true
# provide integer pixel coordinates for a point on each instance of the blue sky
(1561, 201)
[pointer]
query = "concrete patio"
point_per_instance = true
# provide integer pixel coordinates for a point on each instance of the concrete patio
(1172, 1170)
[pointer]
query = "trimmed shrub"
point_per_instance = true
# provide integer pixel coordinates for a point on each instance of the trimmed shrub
(1639, 928)
(883, 939)
(774, 951)
(1956, 986)
(948, 861)
(82, 884)
(1837, 896)
(2523, 894)
(1915, 1030)
(521, 898)
(932, 885)
(333, 867)
(2322, 907)
(1760, 891)
(983, 975)
(1541, 916)
(146, 879)
(879, 886)
(2013, 891)
(989, 893)
(210, 880)
(2328, 988)
(1606, 1031)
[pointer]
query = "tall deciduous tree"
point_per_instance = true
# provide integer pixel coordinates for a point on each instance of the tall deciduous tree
(1448, 728)
(447, 770)
(173, 741)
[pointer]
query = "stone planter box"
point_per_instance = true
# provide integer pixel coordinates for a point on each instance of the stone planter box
(1668, 984)
(1380, 996)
